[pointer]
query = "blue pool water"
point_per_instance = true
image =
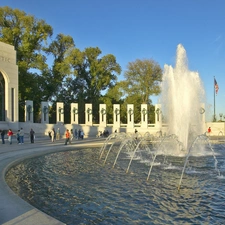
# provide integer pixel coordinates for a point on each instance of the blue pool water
(75, 188)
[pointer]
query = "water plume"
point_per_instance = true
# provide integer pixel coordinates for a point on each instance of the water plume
(182, 95)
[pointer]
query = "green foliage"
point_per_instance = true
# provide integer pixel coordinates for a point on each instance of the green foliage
(27, 35)
(143, 77)
(113, 96)
(93, 74)
(137, 101)
(73, 75)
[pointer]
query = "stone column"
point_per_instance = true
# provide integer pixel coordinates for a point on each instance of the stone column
(59, 112)
(102, 115)
(144, 116)
(202, 112)
(29, 116)
(88, 114)
(116, 115)
(74, 113)
(44, 112)
(130, 116)
(158, 116)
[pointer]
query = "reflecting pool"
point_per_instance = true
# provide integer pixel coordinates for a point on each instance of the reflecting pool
(76, 188)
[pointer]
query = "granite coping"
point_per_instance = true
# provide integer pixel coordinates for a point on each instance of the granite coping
(13, 209)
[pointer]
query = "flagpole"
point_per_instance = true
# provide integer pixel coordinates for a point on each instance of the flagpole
(214, 89)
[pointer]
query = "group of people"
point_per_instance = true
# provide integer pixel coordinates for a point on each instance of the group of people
(53, 135)
(105, 133)
(19, 136)
(70, 134)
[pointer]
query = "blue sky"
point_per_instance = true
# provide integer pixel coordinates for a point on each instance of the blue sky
(144, 29)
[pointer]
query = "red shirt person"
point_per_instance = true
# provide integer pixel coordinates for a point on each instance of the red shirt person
(209, 130)
(67, 136)
(10, 134)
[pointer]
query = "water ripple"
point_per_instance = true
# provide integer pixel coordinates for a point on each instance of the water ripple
(76, 188)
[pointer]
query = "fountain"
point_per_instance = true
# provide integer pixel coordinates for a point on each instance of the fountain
(80, 186)
(182, 95)
(75, 188)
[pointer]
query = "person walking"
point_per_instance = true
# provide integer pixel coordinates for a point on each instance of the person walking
(53, 135)
(71, 135)
(3, 136)
(82, 134)
(67, 137)
(79, 134)
(10, 134)
(32, 135)
(49, 134)
(21, 136)
(58, 134)
(18, 136)
(76, 134)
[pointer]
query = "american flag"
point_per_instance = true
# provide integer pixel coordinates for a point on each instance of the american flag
(216, 86)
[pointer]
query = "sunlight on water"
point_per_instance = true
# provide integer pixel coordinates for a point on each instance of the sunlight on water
(182, 95)
(76, 188)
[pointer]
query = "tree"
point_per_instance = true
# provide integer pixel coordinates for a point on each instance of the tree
(28, 35)
(131, 99)
(113, 96)
(75, 75)
(60, 49)
(143, 77)
(93, 74)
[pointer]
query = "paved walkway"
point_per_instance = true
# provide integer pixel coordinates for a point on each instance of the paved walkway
(13, 209)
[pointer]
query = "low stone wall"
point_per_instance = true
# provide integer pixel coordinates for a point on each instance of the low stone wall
(89, 131)
(217, 128)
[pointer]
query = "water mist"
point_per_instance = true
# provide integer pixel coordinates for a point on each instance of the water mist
(182, 95)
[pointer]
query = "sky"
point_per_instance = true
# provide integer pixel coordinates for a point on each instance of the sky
(145, 29)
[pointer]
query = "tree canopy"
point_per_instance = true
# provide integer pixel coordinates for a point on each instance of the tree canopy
(143, 78)
(54, 69)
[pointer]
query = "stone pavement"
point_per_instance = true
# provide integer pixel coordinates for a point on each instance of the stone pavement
(13, 209)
